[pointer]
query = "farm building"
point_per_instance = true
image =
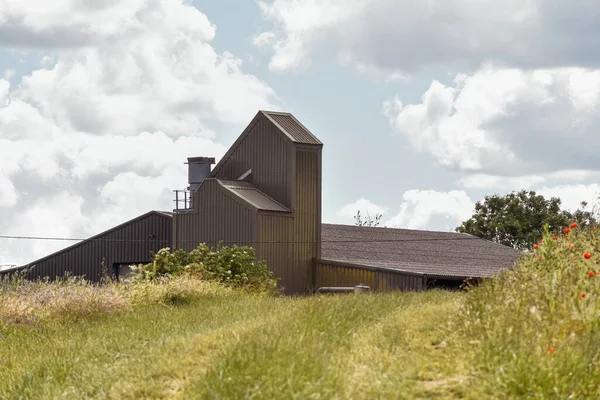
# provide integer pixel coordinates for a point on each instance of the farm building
(110, 252)
(265, 192)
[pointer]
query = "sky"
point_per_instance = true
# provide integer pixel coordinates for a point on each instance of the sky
(423, 107)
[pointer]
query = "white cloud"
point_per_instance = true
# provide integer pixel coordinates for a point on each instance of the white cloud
(507, 121)
(432, 210)
(99, 134)
(406, 35)
(571, 196)
(365, 206)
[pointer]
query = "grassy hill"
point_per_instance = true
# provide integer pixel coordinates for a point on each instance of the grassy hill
(533, 332)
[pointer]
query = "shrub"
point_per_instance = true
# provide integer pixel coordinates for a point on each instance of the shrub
(232, 266)
(534, 330)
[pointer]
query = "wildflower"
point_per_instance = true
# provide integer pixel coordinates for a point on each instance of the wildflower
(535, 246)
(574, 225)
(566, 231)
(540, 258)
(587, 256)
(582, 295)
(591, 274)
(542, 240)
(551, 349)
(571, 245)
(554, 237)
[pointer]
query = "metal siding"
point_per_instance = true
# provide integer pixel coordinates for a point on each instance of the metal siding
(265, 150)
(332, 274)
(275, 247)
(216, 217)
(125, 244)
(307, 217)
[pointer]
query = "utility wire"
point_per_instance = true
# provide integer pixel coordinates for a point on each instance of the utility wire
(238, 241)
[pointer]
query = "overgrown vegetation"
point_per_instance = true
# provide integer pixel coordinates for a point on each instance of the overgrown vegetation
(179, 332)
(235, 266)
(534, 330)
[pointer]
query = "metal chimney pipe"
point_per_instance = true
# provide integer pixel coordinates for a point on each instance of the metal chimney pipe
(198, 170)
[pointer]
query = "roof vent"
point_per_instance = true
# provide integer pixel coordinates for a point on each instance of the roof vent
(198, 170)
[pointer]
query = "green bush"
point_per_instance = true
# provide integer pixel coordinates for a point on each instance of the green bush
(235, 266)
(535, 330)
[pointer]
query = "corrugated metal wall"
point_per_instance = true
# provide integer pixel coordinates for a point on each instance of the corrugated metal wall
(307, 215)
(268, 153)
(276, 247)
(127, 243)
(341, 274)
(216, 217)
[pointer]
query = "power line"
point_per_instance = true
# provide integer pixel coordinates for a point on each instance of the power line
(149, 240)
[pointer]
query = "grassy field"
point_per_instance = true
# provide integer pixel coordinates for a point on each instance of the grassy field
(230, 345)
(532, 332)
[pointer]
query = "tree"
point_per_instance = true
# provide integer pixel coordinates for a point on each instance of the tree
(518, 219)
(368, 221)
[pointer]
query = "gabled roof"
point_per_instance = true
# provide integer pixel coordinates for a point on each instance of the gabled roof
(248, 193)
(440, 254)
(287, 125)
(165, 214)
(293, 128)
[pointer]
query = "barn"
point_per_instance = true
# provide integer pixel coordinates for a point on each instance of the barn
(265, 192)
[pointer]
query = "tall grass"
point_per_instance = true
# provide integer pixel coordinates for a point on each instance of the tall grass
(534, 330)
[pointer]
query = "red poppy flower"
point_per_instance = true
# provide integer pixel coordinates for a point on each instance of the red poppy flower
(540, 258)
(571, 245)
(551, 349)
(574, 225)
(591, 274)
(542, 240)
(587, 256)
(566, 231)
(535, 246)
(555, 237)
(582, 295)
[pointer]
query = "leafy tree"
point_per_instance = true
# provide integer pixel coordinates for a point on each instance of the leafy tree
(368, 221)
(518, 219)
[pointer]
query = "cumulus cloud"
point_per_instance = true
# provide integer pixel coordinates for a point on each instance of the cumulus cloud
(433, 210)
(99, 133)
(508, 122)
(366, 207)
(405, 35)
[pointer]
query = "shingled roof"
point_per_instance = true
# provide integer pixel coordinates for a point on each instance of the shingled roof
(439, 254)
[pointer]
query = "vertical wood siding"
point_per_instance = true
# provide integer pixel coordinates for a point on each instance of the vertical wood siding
(128, 243)
(332, 274)
(216, 217)
(266, 151)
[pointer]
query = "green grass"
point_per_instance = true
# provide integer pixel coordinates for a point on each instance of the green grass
(231, 345)
(527, 333)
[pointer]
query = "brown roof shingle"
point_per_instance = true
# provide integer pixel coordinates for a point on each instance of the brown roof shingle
(444, 254)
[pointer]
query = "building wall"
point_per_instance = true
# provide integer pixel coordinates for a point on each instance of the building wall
(216, 216)
(128, 243)
(342, 274)
(276, 248)
(307, 214)
(268, 153)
